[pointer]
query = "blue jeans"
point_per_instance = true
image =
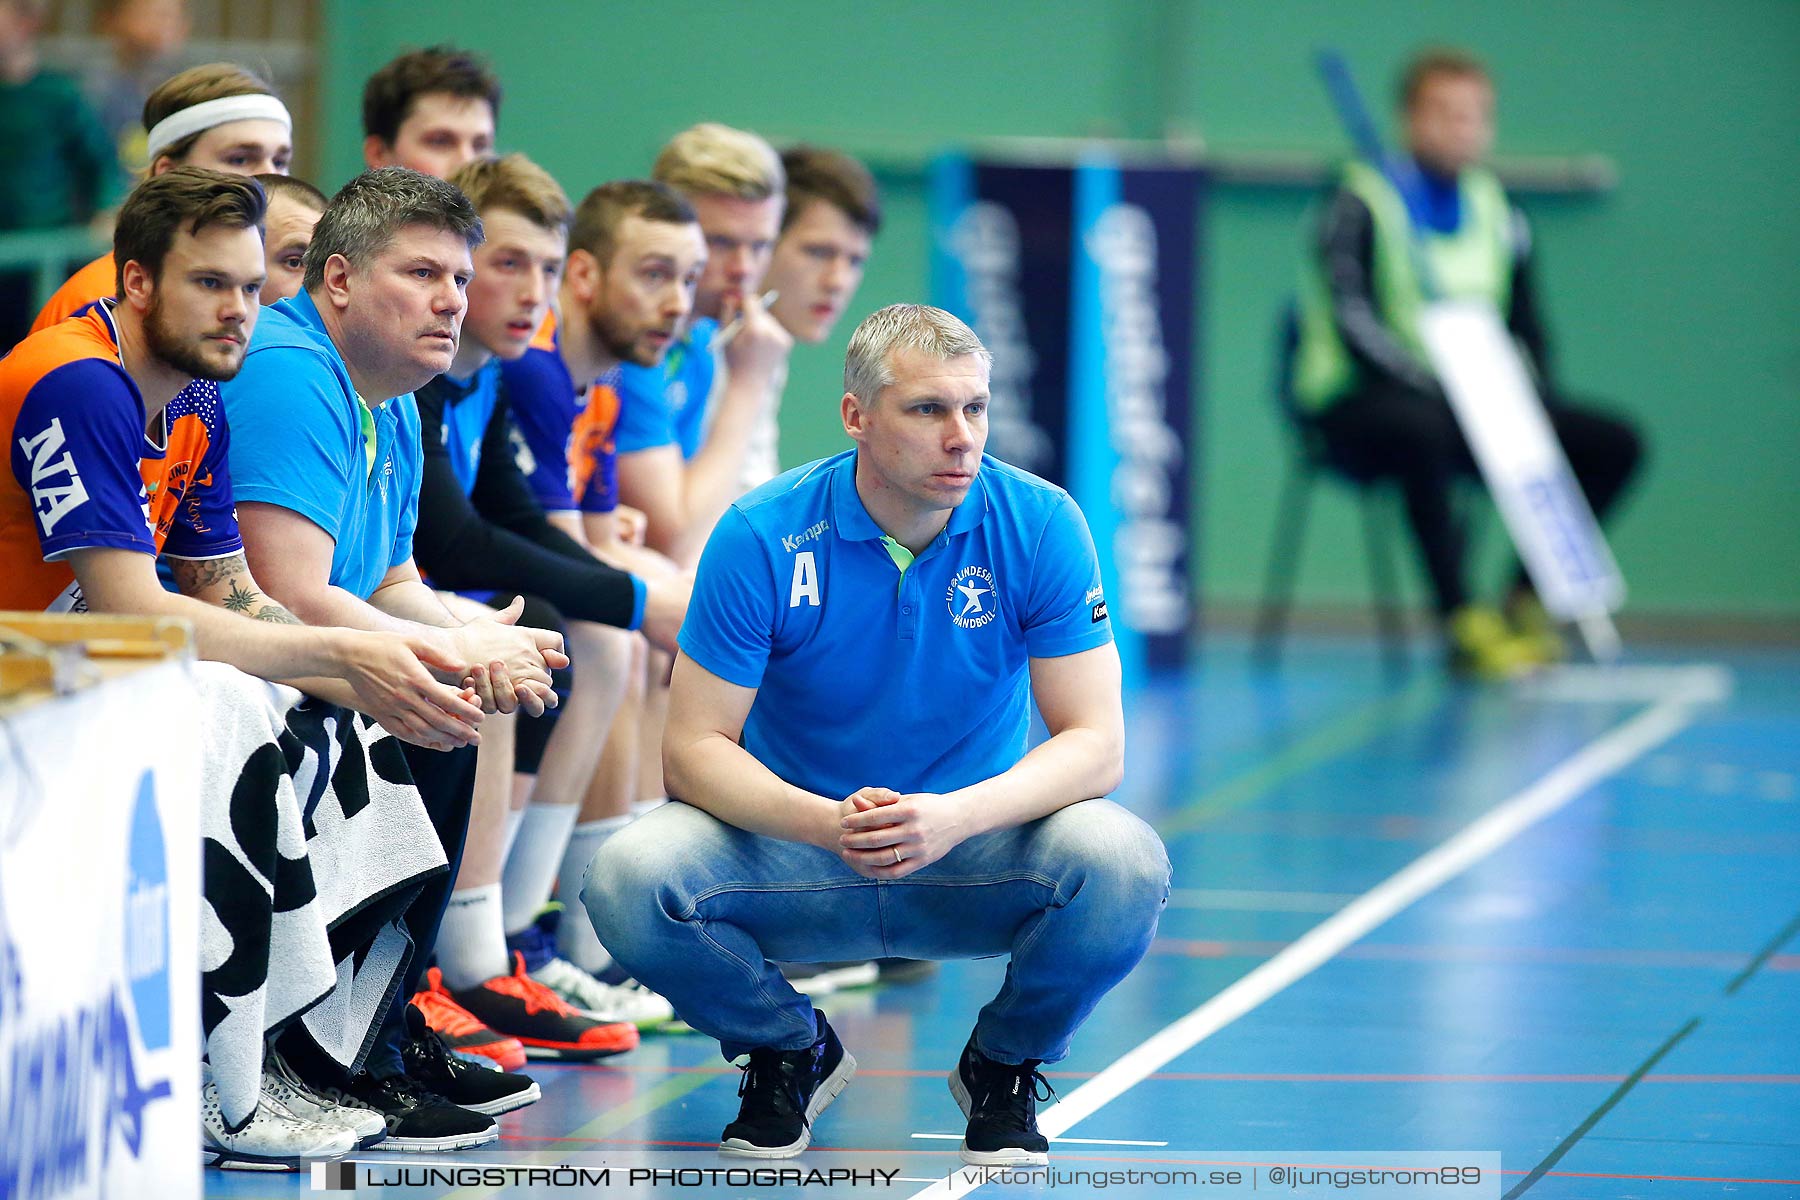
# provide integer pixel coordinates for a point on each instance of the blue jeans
(696, 909)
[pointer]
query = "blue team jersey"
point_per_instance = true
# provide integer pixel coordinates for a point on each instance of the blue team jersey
(565, 445)
(85, 473)
(468, 408)
(666, 405)
(868, 676)
(302, 439)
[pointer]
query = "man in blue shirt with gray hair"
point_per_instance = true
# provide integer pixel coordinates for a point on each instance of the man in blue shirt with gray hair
(847, 742)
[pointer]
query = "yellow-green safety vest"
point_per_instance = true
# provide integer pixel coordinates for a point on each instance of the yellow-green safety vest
(1475, 262)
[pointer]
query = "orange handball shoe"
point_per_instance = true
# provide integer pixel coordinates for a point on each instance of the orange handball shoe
(547, 1024)
(461, 1030)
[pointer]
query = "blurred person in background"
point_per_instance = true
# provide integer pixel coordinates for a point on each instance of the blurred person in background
(217, 115)
(432, 110)
(1362, 371)
(833, 214)
(58, 167)
(146, 40)
(687, 427)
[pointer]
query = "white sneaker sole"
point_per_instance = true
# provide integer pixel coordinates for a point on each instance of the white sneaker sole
(506, 1104)
(1012, 1157)
(829, 1088)
(225, 1160)
(461, 1141)
(644, 1024)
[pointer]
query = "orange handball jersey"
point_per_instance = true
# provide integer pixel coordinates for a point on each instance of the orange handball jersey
(96, 281)
(85, 473)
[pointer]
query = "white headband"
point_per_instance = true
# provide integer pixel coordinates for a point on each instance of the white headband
(208, 113)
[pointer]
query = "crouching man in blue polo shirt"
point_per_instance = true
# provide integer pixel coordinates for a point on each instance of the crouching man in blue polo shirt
(847, 737)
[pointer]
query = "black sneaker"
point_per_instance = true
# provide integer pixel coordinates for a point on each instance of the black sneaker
(1001, 1104)
(783, 1091)
(417, 1119)
(429, 1061)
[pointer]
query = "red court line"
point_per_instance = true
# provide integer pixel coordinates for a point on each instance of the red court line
(1723, 960)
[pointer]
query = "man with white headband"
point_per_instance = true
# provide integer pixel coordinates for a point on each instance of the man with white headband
(218, 116)
(249, 126)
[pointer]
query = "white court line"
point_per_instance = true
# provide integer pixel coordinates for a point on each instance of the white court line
(1608, 754)
(957, 1137)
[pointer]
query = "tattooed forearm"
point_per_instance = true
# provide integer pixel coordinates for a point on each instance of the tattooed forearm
(239, 599)
(203, 579)
(193, 576)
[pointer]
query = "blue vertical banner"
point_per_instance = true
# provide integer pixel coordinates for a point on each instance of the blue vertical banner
(1081, 277)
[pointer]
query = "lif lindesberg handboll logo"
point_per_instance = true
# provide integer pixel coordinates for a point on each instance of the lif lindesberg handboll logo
(972, 598)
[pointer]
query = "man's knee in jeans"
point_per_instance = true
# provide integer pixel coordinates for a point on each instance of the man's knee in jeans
(638, 868)
(1103, 843)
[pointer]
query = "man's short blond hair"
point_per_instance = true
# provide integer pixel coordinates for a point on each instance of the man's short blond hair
(868, 363)
(710, 159)
(516, 184)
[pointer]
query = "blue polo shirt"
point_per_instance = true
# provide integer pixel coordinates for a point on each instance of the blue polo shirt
(666, 404)
(868, 676)
(302, 439)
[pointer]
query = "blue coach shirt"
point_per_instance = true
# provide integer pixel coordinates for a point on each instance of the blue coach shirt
(666, 404)
(868, 676)
(302, 439)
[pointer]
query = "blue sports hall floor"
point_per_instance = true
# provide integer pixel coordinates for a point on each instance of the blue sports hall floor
(1560, 921)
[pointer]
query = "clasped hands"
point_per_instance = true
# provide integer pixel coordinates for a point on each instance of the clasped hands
(882, 834)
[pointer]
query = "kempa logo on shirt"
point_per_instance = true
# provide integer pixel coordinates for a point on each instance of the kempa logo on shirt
(793, 541)
(972, 599)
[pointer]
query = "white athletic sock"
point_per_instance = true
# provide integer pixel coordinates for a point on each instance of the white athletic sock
(514, 818)
(471, 945)
(531, 866)
(575, 939)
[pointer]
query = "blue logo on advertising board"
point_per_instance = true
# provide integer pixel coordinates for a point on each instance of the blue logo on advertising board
(68, 1076)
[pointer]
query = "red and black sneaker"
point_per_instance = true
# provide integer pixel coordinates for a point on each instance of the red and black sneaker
(460, 1029)
(544, 1022)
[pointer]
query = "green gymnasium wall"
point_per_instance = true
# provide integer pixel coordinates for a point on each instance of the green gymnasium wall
(1676, 296)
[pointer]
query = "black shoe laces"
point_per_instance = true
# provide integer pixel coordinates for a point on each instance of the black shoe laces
(430, 1051)
(770, 1084)
(1009, 1097)
(407, 1094)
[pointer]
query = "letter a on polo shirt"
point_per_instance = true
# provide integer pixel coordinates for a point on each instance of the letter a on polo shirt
(806, 581)
(951, 631)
